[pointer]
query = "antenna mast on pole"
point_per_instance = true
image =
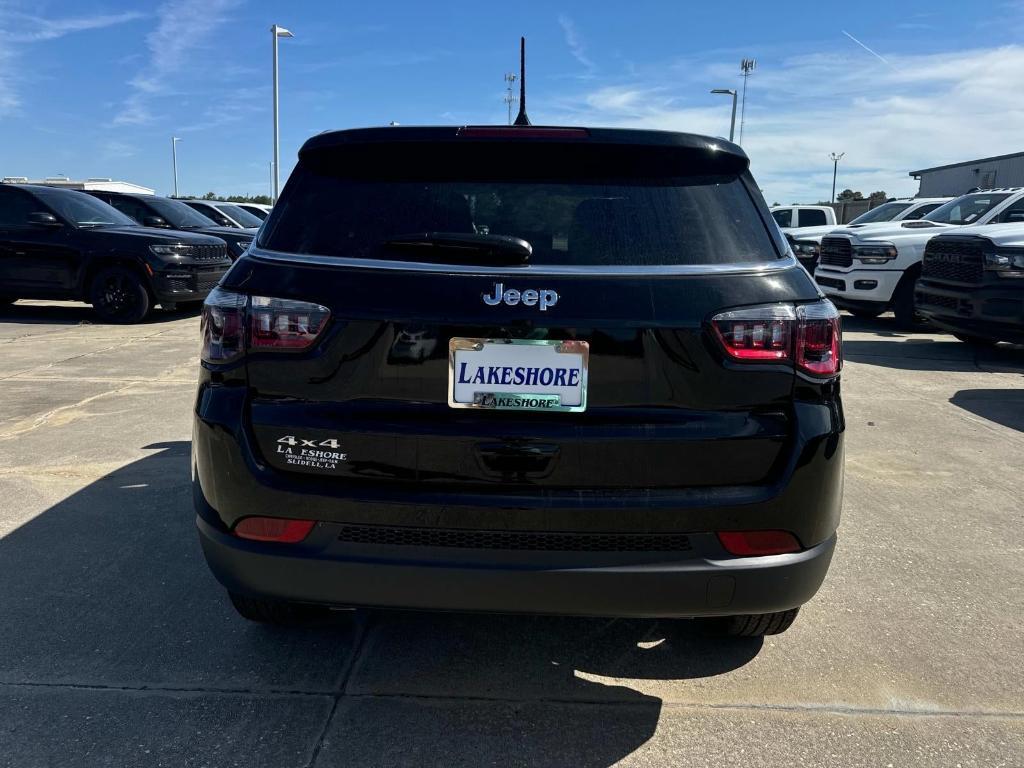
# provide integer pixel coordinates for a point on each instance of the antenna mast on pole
(510, 98)
(521, 118)
(746, 67)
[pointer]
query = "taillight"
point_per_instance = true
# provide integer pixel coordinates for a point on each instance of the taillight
(279, 529)
(818, 339)
(285, 323)
(234, 323)
(223, 326)
(758, 543)
(807, 335)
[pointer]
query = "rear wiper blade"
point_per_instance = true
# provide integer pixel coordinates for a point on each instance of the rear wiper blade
(464, 248)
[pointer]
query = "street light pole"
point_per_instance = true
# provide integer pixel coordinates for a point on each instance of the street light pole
(174, 161)
(835, 169)
(732, 124)
(276, 32)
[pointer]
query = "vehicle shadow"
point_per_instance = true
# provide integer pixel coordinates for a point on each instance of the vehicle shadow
(107, 590)
(75, 313)
(1002, 406)
(926, 350)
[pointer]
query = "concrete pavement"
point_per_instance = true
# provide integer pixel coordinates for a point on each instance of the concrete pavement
(118, 648)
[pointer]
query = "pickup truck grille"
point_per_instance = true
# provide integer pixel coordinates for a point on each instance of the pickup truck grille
(955, 261)
(836, 252)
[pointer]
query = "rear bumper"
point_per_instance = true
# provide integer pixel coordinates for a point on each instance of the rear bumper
(230, 482)
(990, 311)
(323, 570)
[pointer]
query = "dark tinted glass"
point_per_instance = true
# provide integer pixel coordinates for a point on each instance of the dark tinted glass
(15, 206)
(177, 214)
(812, 218)
(240, 215)
(621, 221)
(783, 217)
(884, 212)
(83, 210)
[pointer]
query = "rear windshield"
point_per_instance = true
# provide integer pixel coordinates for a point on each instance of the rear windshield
(705, 219)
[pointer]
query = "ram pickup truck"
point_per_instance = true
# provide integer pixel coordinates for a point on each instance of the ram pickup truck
(806, 241)
(972, 283)
(792, 216)
(869, 271)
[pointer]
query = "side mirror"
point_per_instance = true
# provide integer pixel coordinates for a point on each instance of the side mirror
(155, 221)
(42, 219)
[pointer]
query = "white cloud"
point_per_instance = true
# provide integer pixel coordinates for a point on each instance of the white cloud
(20, 30)
(183, 26)
(918, 111)
(575, 43)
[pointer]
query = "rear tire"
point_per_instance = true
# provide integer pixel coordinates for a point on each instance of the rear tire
(977, 341)
(265, 610)
(118, 295)
(760, 624)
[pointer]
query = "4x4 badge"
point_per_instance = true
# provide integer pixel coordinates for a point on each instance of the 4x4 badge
(544, 297)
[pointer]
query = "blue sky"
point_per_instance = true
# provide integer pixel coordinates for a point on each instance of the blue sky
(98, 88)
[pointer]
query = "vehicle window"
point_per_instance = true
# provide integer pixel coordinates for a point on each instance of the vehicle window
(259, 213)
(884, 212)
(1013, 213)
(179, 215)
(921, 212)
(783, 217)
(631, 221)
(15, 206)
(84, 210)
(211, 213)
(967, 209)
(131, 208)
(812, 218)
(240, 215)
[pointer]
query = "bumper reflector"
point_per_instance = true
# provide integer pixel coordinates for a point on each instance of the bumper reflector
(279, 529)
(758, 543)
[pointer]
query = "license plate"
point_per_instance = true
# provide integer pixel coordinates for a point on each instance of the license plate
(518, 374)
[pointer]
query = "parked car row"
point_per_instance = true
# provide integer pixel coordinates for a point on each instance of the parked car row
(806, 241)
(956, 267)
(123, 253)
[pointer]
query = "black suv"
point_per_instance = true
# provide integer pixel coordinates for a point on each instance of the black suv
(547, 370)
(165, 213)
(61, 244)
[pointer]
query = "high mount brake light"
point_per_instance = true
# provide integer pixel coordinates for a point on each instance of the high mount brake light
(807, 335)
(521, 132)
(233, 323)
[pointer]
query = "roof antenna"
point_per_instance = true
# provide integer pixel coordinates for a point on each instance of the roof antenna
(521, 118)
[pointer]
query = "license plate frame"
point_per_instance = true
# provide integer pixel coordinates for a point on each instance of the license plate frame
(560, 346)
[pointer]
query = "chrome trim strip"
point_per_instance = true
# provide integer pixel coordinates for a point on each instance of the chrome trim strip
(778, 265)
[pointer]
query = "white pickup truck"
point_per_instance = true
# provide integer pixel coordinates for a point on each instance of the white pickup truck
(792, 216)
(872, 269)
(806, 241)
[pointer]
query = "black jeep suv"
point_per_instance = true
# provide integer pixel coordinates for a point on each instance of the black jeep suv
(623, 398)
(165, 213)
(61, 244)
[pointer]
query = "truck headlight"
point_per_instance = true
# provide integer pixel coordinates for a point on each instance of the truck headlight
(1007, 262)
(806, 248)
(879, 253)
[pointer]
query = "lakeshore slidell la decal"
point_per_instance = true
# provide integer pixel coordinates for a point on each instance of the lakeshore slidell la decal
(310, 454)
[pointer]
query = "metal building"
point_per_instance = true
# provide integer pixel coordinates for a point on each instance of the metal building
(958, 178)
